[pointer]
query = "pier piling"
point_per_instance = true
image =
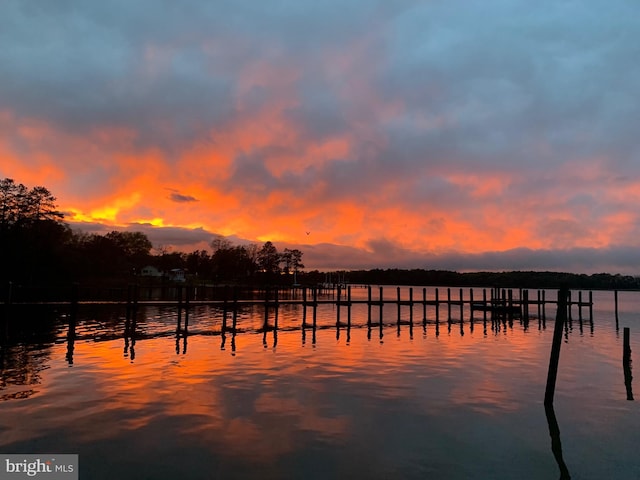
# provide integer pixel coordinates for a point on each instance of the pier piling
(561, 319)
(626, 362)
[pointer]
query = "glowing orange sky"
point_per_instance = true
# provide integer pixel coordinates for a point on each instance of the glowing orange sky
(392, 145)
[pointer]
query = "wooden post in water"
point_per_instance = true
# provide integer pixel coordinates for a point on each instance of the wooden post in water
(448, 304)
(234, 323)
(424, 307)
(348, 309)
(484, 303)
(626, 362)
(615, 296)
(71, 333)
(380, 310)
(561, 319)
(338, 306)
(591, 306)
(399, 305)
(461, 307)
(411, 306)
(186, 308)
(580, 306)
(539, 308)
(179, 294)
(471, 304)
(369, 306)
(437, 308)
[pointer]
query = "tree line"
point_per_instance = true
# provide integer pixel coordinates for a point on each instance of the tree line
(517, 279)
(38, 247)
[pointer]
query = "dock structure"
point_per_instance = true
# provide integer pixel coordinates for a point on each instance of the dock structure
(500, 306)
(494, 303)
(496, 307)
(500, 303)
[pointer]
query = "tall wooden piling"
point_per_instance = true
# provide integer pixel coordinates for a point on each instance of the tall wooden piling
(186, 306)
(348, 311)
(411, 306)
(380, 309)
(580, 306)
(338, 306)
(424, 307)
(561, 319)
(315, 307)
(437, 307)
(626, 362)
(615, 297)
(369, 306)
(539, 308)
(484, 303)
(71, 333)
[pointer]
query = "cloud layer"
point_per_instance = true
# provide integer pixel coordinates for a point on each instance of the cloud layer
(415, 132)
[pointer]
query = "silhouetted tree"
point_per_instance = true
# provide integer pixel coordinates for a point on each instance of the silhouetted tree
(220, 243)
(268, 261)
(232, 263)
(32, 235)
(20, 206)
(292, 260)
(134, 246)
(198, 263)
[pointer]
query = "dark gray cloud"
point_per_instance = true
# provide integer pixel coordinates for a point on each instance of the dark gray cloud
(184, 239)
(181, 198)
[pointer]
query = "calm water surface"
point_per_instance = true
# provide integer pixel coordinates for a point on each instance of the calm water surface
(457, 400)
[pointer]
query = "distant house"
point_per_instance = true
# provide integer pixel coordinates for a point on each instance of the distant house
(150, 271)
(177, 275)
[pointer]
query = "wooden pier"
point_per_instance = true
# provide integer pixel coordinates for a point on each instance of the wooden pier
(494, 303)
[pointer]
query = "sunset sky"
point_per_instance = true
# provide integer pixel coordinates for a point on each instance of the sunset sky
(455, 134)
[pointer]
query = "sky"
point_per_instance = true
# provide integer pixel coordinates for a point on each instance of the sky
(447, 134)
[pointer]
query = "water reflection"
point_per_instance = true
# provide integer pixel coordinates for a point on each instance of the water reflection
(476, 390)
(556, 444)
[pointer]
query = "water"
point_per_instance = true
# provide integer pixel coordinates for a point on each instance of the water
(457, 401)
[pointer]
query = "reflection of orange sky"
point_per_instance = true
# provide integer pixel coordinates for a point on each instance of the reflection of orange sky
(103, 177)
(261, 397)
